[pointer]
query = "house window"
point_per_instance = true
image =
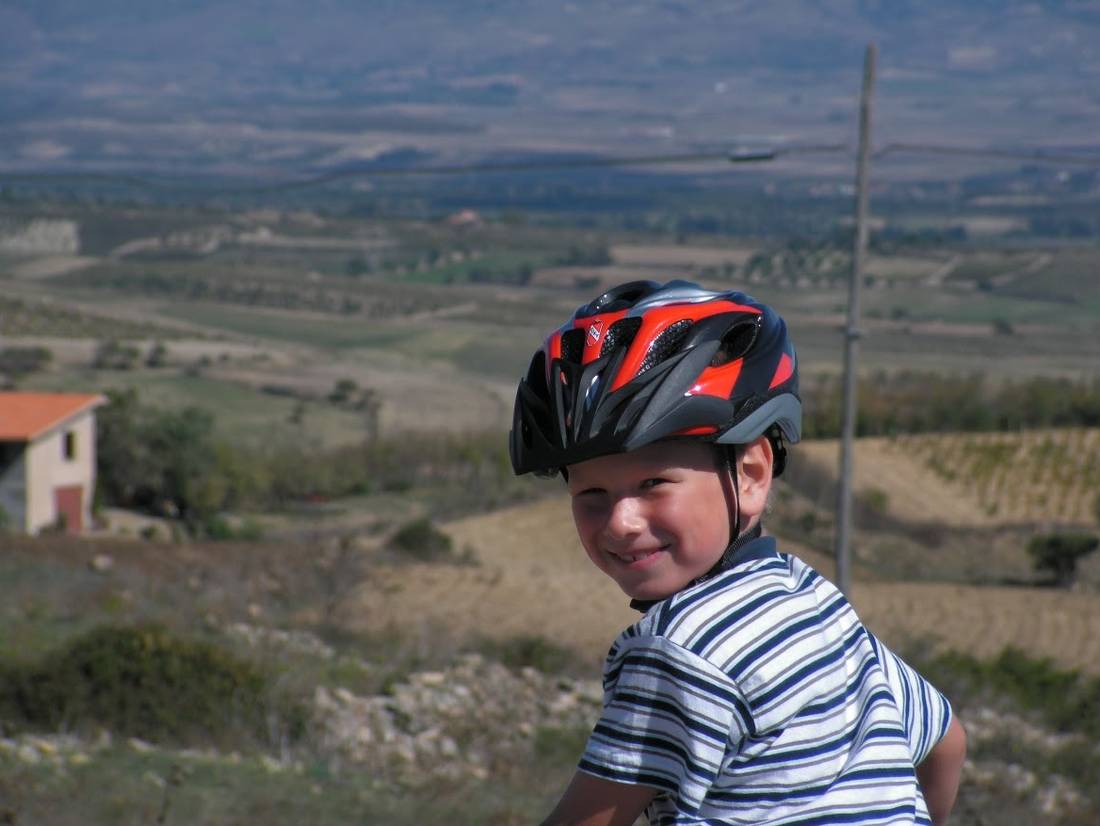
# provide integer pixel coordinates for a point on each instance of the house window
(69, 445)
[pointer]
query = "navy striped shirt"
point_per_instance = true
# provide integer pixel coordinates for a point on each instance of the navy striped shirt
(758, 697)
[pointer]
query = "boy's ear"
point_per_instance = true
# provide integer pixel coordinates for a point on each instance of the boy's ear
(754, 476)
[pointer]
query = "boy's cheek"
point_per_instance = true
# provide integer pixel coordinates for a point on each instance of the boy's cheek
(593, 553)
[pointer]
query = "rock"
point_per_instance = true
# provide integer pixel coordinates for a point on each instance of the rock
(101, 563)
(416, 730)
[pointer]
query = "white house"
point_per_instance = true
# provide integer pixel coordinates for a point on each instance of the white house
(47, 460)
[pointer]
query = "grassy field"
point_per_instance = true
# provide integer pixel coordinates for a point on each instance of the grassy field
(241, 412)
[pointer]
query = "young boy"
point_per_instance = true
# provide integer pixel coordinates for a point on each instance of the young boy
(749, 691)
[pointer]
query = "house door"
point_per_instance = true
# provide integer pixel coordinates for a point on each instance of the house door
(69, 503)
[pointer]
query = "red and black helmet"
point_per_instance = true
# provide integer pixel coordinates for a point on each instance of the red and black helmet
(646, 361)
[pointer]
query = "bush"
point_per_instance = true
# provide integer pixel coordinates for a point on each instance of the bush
(343, 391)
(112, 355)
(422, 540)
(1057, 554)
(531, 651)
(558, 746)
(21, 361)
(1065, 700)
(218, 528)
(144, 682)
(923, 402)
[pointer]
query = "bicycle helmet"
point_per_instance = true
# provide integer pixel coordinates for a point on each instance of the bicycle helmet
(647, 361)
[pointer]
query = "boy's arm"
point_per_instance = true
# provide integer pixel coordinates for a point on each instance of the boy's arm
(593, 801)
(938, 774)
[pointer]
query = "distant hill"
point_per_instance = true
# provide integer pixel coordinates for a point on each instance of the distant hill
(284, 86)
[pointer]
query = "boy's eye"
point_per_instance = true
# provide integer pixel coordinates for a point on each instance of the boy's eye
(589, 492)
(652, 483)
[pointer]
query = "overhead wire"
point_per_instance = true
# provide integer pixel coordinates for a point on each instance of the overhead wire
(735, 155)
(1037, 155)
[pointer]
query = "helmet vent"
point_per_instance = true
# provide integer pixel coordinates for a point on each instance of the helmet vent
(572, 346)
(620, 335)
(536, 372)
(737, 342)
(667, 343)
(618, 298)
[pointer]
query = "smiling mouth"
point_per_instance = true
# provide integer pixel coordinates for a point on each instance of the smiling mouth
(630, 559)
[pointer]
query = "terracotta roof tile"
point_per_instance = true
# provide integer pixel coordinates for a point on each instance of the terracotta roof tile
(25, 416)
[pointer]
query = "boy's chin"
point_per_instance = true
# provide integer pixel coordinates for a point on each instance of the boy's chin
(649, 592)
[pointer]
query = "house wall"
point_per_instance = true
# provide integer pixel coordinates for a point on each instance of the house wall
(48, 469)
(13, 484)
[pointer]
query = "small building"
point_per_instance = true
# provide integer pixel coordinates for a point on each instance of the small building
(47, 460)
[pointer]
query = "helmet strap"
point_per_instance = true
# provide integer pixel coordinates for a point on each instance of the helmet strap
(733, 498)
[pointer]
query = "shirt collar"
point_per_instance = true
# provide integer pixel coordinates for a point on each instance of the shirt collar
(749, 546)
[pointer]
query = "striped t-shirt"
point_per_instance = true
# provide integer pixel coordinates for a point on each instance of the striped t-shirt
(758, 697)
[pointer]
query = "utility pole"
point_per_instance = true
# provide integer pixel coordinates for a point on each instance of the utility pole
(852, 333)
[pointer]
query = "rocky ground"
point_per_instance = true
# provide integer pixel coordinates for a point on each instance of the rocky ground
(476, 719)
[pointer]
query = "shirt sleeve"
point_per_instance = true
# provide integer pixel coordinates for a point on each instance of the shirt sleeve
(670, 717)
(925, 712)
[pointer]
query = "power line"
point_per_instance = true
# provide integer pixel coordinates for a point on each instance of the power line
(1038, 155)
(729, 156)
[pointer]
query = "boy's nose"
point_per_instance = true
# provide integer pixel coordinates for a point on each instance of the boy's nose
(625, 519)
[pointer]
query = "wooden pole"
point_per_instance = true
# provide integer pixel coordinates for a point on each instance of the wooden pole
(852, 332)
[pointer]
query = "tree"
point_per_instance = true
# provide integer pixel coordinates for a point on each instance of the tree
(17, 362)
(157, 356)
(1057, 554)
(113, 355)
(343, 391)
(156, 460)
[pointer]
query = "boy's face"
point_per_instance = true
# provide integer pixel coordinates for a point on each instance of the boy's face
(653, 519)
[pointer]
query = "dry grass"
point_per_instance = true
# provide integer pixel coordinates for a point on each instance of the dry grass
(982, 621)
(532, 577)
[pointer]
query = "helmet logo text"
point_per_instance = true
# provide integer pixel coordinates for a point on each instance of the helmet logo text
(595, 331)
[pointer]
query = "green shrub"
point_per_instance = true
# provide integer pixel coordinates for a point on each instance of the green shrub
(1065, 700)
(558, 746)
(1057, 553)
(145, 682)
(877, 499)
(531, 651)
(21, 361)
(220, 529)
(422, 540)
(113, 355)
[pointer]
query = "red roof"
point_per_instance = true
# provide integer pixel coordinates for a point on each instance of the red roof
(26, 416)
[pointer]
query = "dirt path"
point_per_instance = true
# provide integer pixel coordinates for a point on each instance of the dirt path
(50, 266)
(938, 276)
